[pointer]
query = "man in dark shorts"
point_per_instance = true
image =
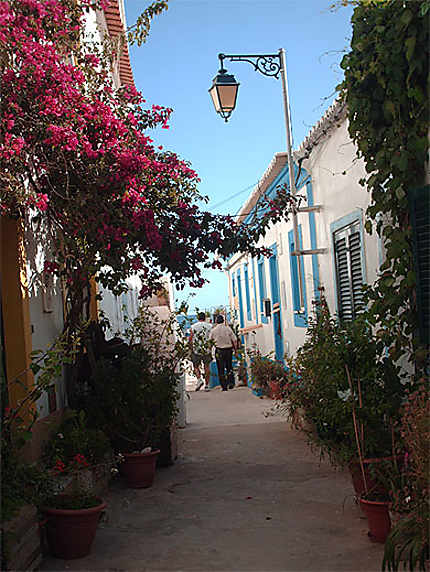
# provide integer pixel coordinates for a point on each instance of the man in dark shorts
(225, 342)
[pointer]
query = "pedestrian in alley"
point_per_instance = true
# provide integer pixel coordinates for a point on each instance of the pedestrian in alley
(225, 342)
(201, 347)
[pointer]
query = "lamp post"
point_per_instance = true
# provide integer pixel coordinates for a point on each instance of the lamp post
(224, 95)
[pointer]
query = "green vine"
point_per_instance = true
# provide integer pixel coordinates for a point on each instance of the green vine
(386, 88)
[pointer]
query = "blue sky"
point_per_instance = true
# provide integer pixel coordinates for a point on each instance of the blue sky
(175, 69)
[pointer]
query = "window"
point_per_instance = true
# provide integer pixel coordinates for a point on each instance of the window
(349, 270)
(263, 288)
(239, 290)
(247, 296)
(233, 285)
(420, 208)
(300, 314)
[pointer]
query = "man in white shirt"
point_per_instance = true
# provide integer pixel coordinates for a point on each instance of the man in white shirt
(225, 342)
(201, 350)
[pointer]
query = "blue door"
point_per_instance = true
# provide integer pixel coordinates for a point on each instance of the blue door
(276, 305)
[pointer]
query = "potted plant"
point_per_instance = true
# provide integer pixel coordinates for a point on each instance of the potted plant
(73, 506)
(268, 375)
(133, 404)
(340, 386)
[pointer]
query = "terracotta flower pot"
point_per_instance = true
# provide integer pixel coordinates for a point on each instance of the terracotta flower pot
(139, 469)
(275, 390)
(378, 518)
(70, 532)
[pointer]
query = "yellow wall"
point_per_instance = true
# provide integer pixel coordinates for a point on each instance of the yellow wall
(16, 309)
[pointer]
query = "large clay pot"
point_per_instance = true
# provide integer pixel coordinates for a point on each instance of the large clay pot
(139, 469)
(378, 518)
(70, 532)
(275, 390)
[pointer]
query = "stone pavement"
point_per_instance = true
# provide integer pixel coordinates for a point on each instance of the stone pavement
(246, 494)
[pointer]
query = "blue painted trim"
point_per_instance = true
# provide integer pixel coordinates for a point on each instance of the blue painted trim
(247, 296)
(282, 178)
(347, 220)
(276, 299)
(263, 287)
(254, 283)
(239, 289)
(300, 320)
(313, 235)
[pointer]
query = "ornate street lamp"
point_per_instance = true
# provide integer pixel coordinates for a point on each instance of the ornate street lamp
(224, 93)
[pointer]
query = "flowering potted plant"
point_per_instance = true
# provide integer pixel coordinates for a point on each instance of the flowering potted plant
(72, 507)
(268, 375)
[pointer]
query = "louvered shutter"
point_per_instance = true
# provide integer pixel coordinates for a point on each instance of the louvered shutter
(349, 272)
(356, 271)
(420, 217)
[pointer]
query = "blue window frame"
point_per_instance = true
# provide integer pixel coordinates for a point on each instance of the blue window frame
(233, 285)
(254, 285)
(300, 317)
(247, 296)
(263, 288)
(239, 290)
(276, 304)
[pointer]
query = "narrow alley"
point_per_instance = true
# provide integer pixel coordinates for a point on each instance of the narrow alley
(246, 494)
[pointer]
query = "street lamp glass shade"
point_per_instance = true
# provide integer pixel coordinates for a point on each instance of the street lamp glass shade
(224, 93)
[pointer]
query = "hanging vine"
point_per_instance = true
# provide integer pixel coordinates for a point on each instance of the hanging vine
(386, 88)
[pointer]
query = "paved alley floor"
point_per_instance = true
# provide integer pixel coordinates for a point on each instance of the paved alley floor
(246, 494)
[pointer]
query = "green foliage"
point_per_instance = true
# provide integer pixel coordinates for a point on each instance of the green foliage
(131, 401)
(319, 397)
(386, 88)
(139, 32)
(21, 483)
(73, 436)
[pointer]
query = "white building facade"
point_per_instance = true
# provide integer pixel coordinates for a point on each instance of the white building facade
(339, 256)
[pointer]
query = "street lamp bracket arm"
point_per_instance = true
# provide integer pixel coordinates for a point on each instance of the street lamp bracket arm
(267, 64)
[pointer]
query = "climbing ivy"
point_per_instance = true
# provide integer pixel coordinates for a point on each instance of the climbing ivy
(386, 88)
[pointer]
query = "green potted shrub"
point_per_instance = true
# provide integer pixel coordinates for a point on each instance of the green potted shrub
(341, 387)
(133, 405)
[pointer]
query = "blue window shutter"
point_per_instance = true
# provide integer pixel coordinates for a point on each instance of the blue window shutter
(300, 318)
(263, 289)
(254, 285)
(239, 290)
(248, 298)
(233, 285)
(419, 200)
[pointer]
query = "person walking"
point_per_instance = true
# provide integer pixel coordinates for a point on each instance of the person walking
(225, 342)
(201, 350)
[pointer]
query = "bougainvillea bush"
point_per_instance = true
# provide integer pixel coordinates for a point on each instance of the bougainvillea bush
(76, 153)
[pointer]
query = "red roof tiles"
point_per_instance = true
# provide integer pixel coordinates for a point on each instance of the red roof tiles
(116, 27)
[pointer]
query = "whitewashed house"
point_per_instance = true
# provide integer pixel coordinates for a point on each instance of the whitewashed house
(337, 254)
